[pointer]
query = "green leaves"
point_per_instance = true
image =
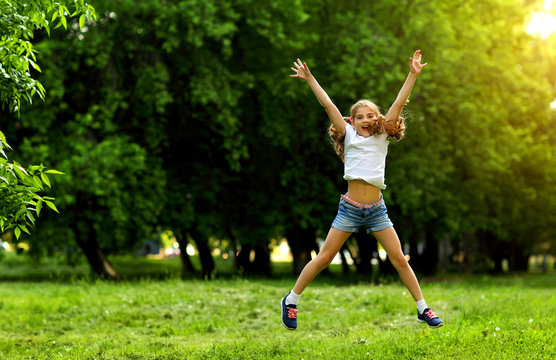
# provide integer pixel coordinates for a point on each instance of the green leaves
(201, 87)
(20, 202)
(56, 172)
(3, 145)
(476, 137)
(18, 22)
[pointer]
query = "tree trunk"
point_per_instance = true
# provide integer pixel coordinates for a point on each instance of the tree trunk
(414, 255)
(517, 258)
(261, 263)
(445, 251)
(429, 265)
(497, 258)
(254, 259)
(207, 262)
(367, 245)
(233, 242)
(385, 267)
(345, 265)
(301, 242)
(187, 266)
(243, 255)
(490, 247)
(98, 262)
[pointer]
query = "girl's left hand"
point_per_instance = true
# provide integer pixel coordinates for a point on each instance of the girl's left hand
(301, 70)
(415, 65)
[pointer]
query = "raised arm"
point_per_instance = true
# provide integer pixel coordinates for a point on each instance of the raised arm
(302, 71)
(415, 67)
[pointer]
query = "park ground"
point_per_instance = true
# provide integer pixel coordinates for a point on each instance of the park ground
(503, 317)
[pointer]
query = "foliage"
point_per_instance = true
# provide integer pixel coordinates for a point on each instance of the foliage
(178, 112)
(181, 114)
(484, 105)
(18, 22)
(20, 202)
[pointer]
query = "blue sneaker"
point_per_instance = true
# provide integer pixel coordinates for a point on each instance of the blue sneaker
(430, 318)
(289, 314)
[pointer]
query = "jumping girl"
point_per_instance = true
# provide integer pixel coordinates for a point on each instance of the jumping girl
(362, 142)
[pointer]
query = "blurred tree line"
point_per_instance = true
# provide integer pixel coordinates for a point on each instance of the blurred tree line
(180, 115)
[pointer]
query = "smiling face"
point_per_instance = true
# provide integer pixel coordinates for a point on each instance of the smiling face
(366, 121)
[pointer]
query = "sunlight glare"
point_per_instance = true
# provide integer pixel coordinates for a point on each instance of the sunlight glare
(542, 24)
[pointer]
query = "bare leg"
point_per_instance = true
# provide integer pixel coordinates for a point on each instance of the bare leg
(391, 243)
(334, 241)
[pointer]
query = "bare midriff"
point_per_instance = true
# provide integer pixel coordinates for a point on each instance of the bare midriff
(363, 192)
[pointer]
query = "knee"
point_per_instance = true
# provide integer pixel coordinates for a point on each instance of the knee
(324, 259)
(399, 261)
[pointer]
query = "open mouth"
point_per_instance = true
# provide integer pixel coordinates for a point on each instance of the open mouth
(371, 129)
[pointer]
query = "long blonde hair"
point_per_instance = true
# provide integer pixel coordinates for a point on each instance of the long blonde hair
(394, 131)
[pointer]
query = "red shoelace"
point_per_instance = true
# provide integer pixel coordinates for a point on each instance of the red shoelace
(430, 314)
(292, 313)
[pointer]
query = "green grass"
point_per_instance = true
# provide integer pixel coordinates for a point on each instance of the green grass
(509, 317)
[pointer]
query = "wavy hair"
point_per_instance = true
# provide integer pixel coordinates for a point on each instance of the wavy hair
(394, 130)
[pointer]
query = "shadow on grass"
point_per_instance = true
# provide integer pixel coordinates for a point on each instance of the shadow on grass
(21, 268)
(532, 279)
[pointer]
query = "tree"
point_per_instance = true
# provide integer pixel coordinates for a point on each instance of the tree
(476, 150)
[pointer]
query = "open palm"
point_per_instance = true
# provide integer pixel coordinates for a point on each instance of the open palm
(415, 65)
(301, 70)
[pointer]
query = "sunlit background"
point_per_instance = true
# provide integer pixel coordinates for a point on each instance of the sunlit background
(543, 23)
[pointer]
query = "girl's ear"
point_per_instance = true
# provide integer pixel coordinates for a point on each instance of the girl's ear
(351, 121)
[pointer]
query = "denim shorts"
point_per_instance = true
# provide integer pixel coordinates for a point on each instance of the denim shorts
(351, 217)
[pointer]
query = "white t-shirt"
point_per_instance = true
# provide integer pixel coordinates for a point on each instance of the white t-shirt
(365, 157)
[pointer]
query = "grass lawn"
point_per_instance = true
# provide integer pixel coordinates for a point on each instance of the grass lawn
(509, 317)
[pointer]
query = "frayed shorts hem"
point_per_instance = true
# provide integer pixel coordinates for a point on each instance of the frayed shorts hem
(369, 231)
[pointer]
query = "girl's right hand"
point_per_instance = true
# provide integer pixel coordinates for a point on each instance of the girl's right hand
(415, 65)
(301, 70)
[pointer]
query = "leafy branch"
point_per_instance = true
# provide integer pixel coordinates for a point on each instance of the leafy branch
(20, 202)
(18, 22)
